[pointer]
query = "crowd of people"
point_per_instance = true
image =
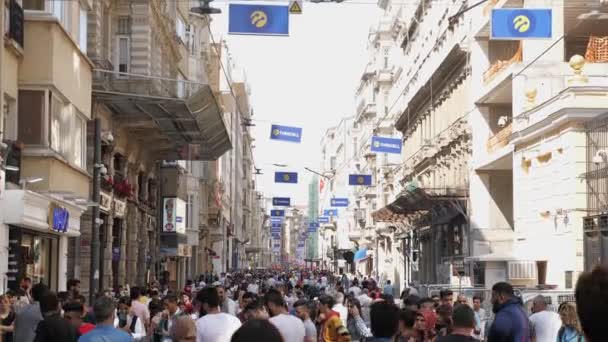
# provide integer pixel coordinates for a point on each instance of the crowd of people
(298, 306)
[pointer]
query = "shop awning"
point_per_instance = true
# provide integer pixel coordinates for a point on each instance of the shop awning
(415, 200)
(186, 114)
(361, 254)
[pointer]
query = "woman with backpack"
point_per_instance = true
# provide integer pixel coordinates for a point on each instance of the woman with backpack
(571, 328)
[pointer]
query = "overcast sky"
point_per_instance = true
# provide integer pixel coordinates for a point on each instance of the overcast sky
(306, 80)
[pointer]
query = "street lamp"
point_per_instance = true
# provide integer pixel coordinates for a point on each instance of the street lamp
(205, 8)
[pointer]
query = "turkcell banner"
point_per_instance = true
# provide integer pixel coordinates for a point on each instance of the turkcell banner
(275, 225)
(522, 23)
(261, 20)
(330, 212)
(339, 202)
(281, 201)
(277, 213)
(286, 133)
(312, 227)
(386, 145)
(360, 179)
(323, 219)
(286, 177)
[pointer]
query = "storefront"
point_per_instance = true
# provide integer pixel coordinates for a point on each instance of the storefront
(39, 227)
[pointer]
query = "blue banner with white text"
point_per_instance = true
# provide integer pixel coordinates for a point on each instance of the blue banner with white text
(286, 133)
(386, 145)
(281, 201)
(339, 202)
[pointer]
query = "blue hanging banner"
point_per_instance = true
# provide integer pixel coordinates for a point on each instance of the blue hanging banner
(286, 177)
(323, 219)
(339, 202)
(281, 201)
(330, 212)
(277, 213)
(522, 23)
(286, 133)
(258, 20)
(312, 227)
(360, 179)
(386, 145)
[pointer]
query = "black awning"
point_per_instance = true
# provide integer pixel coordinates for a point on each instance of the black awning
(192, 126)
(414, 201)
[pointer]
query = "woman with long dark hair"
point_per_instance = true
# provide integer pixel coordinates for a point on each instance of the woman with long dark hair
(355, 324)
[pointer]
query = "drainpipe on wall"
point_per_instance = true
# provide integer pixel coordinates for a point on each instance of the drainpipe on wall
(95, 243)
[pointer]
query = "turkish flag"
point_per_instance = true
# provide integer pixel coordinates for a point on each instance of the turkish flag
(321, 185)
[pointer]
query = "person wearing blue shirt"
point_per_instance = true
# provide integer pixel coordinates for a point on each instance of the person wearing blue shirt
(105, 312)
(388, 289)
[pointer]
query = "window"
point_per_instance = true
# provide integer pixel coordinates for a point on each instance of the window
(68, 131)
(7, 17)
(180, 29)
(34, 5)
(123, 54)
(181, 86)
(31, 118)
(124, 25)
(82, 31)
(61, 10)
(386, 54)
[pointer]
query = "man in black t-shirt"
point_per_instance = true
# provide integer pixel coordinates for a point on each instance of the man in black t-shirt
(463, 320)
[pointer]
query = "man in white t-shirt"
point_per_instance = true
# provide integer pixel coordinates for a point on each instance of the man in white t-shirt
(340, 308)
(253, 287)
(214, 326)
(227, 305)
(544, 324)
(290, 327)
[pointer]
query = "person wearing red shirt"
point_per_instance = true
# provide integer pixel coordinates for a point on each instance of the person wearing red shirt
(73, 312)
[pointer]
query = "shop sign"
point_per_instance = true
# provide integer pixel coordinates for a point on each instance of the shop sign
(59, 218)
(105, 201)
(120, 207)
(174, 211)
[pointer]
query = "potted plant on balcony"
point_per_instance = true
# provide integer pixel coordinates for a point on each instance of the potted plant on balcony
(107, 183)
(123, 189)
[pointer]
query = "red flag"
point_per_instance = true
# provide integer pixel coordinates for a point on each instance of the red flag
(321, 185)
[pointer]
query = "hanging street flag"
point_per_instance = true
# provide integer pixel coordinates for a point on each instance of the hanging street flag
(339, 202)
(321, 184)
(281, 201)
(286, 133)
(386, 145)
(260, 20)
(277, 213)
(522, 23)
(286, 177)
(359, 179)
(330, 212)
(323, 219)
(312, 227)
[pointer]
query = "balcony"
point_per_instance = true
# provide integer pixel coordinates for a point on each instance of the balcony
(574, 91)
(500, 139)
(355, 235)
(186, 113)
(365, 111)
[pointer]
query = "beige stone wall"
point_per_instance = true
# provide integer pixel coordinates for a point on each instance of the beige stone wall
(57, 176)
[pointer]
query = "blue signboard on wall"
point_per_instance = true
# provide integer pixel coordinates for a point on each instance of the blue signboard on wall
(59, 219)
(386, 145)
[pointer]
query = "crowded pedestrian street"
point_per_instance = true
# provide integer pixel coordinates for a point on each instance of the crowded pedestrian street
(304, 170)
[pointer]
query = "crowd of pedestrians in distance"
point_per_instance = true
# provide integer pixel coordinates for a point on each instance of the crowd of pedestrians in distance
(299, 306)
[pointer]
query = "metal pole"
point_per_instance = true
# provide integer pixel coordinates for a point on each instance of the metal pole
(94, 271)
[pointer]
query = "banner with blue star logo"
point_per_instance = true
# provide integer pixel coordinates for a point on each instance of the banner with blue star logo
(323, 219)
(386, 145)
(339, 202)
(286, 177)
(522, 23)
(330, 212)
(277, 213)
(286, 133)
(360, 179)
(312, 227)
(260, 20)
(281, 201)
